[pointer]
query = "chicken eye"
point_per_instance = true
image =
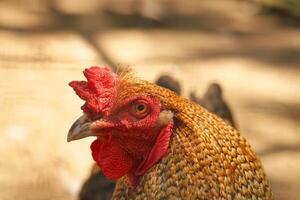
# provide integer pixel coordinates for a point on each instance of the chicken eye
(141, 109)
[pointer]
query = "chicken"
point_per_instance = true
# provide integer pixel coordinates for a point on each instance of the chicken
(169, 82)
(96, 187)
(161, 146)
(213, 101)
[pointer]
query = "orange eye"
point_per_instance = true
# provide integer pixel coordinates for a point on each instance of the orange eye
(141, 109)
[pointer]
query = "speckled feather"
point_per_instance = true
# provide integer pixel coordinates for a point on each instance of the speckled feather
(206, 159)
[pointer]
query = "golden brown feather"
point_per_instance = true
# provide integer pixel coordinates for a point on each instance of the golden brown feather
(206, 159)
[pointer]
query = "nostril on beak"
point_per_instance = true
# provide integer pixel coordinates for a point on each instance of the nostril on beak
(97, 117)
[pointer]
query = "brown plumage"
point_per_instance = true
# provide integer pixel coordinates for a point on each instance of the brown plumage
(206, 159)
(212, 99)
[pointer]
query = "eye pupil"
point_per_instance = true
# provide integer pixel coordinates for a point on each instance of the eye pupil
(140, 107)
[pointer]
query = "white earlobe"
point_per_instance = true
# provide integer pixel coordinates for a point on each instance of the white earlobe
(164, 118)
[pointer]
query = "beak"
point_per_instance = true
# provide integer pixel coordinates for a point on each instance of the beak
(84, 127)
(81, 128)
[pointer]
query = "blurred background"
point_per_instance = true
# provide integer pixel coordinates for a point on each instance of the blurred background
(250, 47)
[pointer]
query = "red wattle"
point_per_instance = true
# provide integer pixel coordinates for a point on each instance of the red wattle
(113, 161)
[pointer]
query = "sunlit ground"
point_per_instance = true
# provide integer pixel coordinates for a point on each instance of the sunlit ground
(255, 57)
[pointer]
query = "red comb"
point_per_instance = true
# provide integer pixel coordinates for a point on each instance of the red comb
(97, 91)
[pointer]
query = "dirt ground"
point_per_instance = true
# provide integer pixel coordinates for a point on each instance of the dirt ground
(255, 57)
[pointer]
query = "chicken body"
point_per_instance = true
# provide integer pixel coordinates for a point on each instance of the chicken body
(206, 158)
